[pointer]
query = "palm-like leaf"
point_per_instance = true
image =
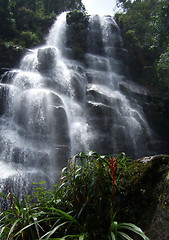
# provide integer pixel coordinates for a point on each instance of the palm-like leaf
(116, 228)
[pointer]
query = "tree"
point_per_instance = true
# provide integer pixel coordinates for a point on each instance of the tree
(77, 25)
(33, 16)
(136, 26)
(160, 25)
(6, 18)
(162, 68)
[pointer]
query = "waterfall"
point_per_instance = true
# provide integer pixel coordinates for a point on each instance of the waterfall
(53, 107)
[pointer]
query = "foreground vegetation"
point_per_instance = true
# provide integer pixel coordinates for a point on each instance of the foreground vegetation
(81, 207)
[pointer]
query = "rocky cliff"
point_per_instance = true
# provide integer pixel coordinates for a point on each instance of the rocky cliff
(143, 196)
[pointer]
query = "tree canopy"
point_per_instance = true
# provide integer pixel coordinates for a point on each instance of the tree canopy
(145, 29)
(26, 22)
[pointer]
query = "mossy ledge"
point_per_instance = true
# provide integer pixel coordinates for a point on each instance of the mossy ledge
(10, 56)
(143, 196)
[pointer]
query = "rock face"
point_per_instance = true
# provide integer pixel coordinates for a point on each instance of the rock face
(46, 60)
(10, 56)
(144, 196)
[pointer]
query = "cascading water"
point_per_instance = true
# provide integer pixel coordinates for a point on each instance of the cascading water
(116, 120)
(54, 107)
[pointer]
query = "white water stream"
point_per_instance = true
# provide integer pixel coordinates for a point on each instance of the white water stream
(55, 107)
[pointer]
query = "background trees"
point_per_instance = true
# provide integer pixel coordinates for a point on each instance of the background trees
(145, 29)
(6, 18)
(26, 22)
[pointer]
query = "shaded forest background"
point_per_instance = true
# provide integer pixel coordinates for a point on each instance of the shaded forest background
(145, 29)
(26, 22)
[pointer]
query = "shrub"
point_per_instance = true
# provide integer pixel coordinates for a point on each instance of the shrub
(80, 207)
(29, 38)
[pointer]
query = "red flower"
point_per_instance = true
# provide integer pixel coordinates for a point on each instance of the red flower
(113, 167)
(10, 197)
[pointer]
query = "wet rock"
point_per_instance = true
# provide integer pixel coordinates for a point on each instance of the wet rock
(46, 60)
(10, 56)
(144, 196)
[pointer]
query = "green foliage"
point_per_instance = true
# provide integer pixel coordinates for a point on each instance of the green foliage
(34, 222)
(16, 221)
(7, 25)
(29, 39)
(117, 231)
(124, 4)
(88, 188)
(160, 25)
(33, 16)
(24, 19)
(137, 34)
(77, 31)
(163, 68)
(62, 5)
(144, 26)
(40, 9)
(80, 207)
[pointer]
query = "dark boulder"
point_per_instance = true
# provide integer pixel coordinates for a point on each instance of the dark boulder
(46, 60)
(143, 196)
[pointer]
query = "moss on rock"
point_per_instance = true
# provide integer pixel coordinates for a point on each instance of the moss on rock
(143, 196)
(10, 56)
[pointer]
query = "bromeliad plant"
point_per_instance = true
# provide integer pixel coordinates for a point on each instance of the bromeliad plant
(89, 184)
(89, 188)
(80, 207)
